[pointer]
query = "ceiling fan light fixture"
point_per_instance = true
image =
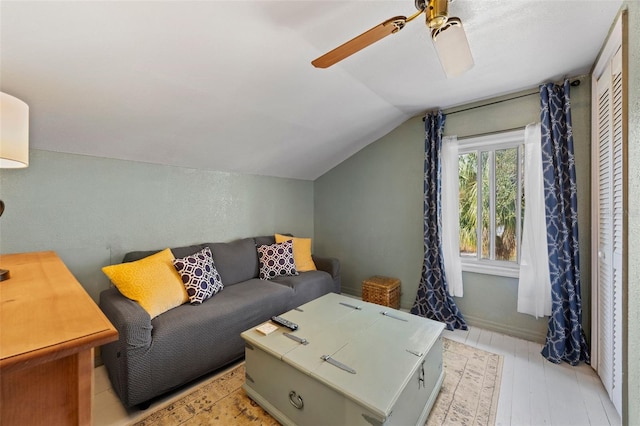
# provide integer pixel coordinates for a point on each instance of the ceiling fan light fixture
(437, 13)
(452, 48)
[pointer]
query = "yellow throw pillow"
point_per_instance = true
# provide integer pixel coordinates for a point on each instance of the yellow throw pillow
(301, 252)
(153, 282)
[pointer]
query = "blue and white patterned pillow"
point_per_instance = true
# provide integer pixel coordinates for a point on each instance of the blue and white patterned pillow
(276, 260)
(199, 275)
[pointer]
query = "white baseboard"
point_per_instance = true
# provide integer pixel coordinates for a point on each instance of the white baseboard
(520, 333)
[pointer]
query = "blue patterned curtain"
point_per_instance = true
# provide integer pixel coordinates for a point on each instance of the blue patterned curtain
(565, 337)
(433, 300)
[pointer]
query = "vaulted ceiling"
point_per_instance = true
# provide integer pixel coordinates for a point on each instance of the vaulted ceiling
(228, 85)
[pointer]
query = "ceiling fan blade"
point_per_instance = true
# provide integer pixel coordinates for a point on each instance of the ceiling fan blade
(358, 43)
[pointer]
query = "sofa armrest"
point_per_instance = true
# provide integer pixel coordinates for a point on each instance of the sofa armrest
(128, 317)
(331, 265)
(125, 359)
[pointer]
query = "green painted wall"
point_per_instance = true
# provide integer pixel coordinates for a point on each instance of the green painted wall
(631, 370)
(92, 211)
(369, 212)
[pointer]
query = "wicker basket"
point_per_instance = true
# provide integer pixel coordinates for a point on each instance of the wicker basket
(382, 290)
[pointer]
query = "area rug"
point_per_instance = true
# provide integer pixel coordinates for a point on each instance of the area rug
(469, 395)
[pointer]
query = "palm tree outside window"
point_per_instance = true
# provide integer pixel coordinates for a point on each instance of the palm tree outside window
(490, 170)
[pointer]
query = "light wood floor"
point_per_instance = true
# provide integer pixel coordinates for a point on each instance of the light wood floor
(533, 391)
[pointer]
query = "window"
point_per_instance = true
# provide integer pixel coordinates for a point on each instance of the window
(491, 202)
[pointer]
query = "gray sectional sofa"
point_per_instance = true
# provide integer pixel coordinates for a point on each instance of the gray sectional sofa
(154, 356)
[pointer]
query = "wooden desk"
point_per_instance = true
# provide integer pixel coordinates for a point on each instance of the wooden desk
(48, 328)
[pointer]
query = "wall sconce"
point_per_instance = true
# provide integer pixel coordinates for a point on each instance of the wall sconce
(14, 141)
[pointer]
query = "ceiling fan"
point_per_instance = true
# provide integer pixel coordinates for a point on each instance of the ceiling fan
(447, 34)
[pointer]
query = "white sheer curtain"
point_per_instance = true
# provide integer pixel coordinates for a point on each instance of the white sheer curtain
(450, 215)
(534, 287)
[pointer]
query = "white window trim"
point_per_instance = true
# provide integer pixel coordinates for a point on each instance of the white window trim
(499, 140)
(483, 267)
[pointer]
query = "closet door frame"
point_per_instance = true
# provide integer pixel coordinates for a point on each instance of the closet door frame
(616, 41)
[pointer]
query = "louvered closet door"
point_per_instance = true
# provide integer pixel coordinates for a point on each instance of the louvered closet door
(608, 192)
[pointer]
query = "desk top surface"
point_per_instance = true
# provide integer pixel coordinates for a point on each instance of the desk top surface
(45, 313)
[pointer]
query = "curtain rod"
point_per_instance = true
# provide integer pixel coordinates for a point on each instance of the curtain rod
(524, 95)
(574, 83)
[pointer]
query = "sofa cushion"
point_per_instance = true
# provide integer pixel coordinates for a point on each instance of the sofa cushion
(265, 240)
(192, 340)
(307, 286)
(236, 261)
(132, 256)
(301, 252)
(153, 282)
(199, 275)
(276, 260)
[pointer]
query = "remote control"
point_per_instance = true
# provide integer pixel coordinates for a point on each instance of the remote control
(285, 323)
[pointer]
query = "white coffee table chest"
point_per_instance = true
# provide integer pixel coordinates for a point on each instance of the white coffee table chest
(384, 365)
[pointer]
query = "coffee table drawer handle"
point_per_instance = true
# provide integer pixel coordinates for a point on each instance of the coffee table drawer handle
(296, 400)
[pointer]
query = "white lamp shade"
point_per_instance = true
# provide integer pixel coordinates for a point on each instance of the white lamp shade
(452, 47)
(14, 132)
